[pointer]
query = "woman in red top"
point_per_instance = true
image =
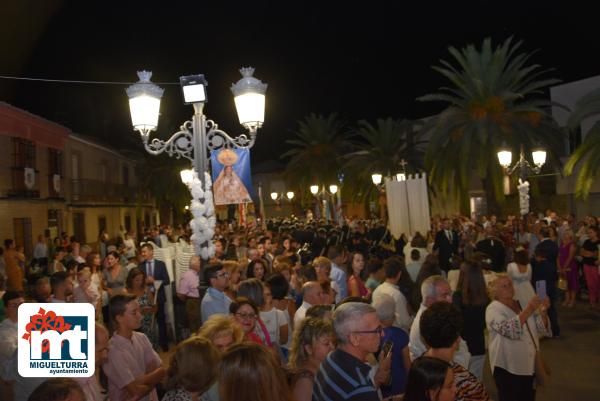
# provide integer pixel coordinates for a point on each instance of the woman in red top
(245, 313)
(356, 286)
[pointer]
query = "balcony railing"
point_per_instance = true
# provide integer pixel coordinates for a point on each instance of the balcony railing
(99, 191)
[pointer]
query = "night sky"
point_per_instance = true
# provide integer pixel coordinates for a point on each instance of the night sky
(362, 60)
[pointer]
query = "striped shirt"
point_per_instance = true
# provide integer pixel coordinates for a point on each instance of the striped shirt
(468, 388)
(343, 377)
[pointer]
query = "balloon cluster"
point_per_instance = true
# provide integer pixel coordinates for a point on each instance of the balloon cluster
(523, 196)
(203, 210)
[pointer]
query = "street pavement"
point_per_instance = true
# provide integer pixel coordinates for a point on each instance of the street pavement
(574, 358)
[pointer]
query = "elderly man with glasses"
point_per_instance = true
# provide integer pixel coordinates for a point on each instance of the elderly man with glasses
(344, 374)
(215, 301)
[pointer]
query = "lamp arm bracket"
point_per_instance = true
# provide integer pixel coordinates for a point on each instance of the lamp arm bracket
(179, 145)
(525, 166)
(218, 139)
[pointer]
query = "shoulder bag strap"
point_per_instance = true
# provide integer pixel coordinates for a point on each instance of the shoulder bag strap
(528, 329)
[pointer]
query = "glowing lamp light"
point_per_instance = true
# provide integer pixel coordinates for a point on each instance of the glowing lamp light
(333, 189)
(144, 103)
(249, 97)
(187, 176)
(376, 178)
(314, 189)
(539, 157)
(290, 195)
(274, 196)
(505, 158)
(400, 177)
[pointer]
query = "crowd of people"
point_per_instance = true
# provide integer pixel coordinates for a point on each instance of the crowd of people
(305, 310)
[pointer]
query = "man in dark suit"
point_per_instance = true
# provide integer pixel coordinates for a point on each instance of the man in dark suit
(445, 244)
(549, 247)
(157, 270)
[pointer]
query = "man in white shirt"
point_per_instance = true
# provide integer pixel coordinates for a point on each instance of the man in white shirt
(312, 294)
(434, 289)
(337, 255)
(393, 271)
(40, 252)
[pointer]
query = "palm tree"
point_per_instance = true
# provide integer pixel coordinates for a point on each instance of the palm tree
(314, 157)
(383, 149)
(496, 97)
(587, 155)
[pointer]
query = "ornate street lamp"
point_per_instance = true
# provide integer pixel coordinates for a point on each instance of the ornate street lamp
(289, 195)
(197, 137)
(539, 159)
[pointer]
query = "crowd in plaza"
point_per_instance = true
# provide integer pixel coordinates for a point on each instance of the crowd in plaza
(308, 310)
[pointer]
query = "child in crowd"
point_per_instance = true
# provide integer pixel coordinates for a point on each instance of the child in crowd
(133, 368)
(85, 292)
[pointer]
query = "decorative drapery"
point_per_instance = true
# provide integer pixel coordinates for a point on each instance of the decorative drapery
(408, 205)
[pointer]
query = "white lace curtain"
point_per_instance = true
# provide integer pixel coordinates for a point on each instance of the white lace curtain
(408, 205)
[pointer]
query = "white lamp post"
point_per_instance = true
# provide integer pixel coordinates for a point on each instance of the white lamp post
(539, 159)
(198, 136)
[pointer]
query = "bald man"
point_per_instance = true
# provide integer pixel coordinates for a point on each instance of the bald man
(312, 294)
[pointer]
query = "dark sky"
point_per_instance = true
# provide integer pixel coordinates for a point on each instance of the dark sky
(364, 60)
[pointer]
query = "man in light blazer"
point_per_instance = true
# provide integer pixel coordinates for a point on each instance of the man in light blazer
(157, 270)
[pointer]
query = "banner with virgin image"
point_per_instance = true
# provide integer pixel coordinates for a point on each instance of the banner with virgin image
(232, 181)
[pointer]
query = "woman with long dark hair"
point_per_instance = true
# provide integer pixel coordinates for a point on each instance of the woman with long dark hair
(136, 285)
(257, 269)
(356, 266)
(430, 379)
(471, 299)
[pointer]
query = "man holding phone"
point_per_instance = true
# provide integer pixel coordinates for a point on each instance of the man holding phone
(544, 277)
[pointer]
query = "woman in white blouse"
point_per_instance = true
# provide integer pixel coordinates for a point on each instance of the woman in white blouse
(513, 340)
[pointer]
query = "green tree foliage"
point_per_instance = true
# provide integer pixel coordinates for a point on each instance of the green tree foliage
(314, 157)
(587, 155)
(381, 149)
(496, 96)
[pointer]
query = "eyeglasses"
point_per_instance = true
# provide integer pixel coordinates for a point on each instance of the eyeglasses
(377, 331)
(223, 274)
(246, 316)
